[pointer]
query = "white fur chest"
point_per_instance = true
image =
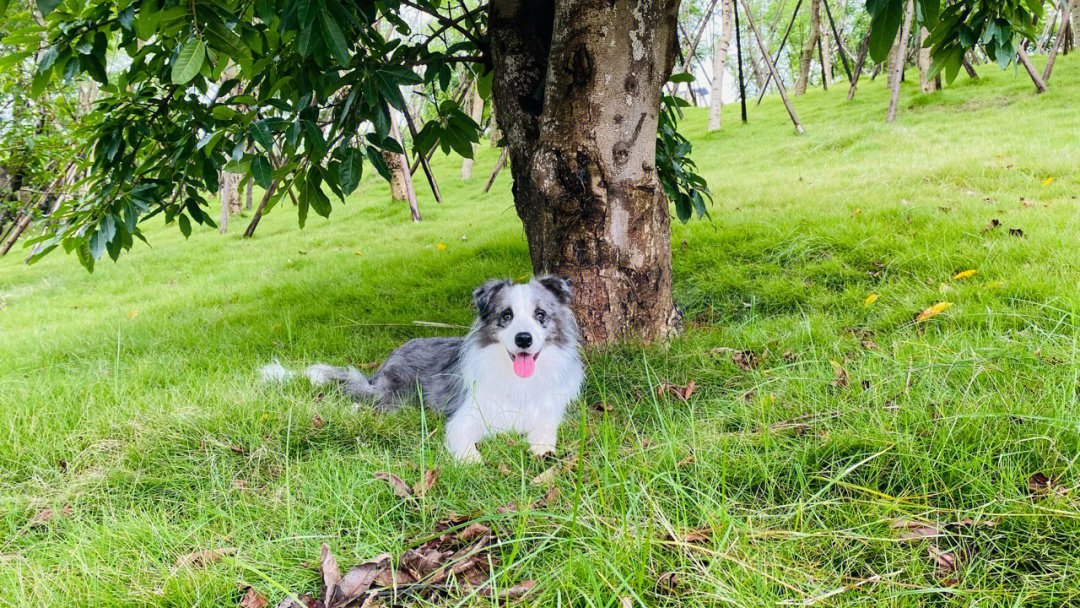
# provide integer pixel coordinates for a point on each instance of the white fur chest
(504, 402)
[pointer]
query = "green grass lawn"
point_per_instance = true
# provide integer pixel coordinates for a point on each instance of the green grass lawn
(130, 394)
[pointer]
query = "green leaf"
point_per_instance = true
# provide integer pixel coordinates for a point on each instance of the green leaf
(352, 168)
(189, 61)
(335, 40)
(3, 7)
(14, 58)
(223, 112)
(148, 19)
(261, 171)
(887, 17)
(48, 6)
(185, 225)
(483, 85)
(682, 77)
(41, 80)
(261, 134)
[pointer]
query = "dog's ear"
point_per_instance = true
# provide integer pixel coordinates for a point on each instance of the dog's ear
(484, 294)
(560, 286)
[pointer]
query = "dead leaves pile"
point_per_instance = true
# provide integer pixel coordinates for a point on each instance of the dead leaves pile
(456, 558)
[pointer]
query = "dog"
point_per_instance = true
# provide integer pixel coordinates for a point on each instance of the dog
(515, 371)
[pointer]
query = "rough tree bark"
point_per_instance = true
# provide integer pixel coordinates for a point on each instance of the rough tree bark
(1075, 19)
(401, 184)
(825, 47)
(583, 158)
(808, 49)
(229, 195)
(476, 112)
(716, 96)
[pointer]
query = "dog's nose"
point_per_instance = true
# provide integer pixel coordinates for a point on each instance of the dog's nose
(523, 340)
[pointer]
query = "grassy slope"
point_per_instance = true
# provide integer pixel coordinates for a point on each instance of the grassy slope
(140, 378)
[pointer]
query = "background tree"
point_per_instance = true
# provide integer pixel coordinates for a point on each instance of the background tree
(594, 152)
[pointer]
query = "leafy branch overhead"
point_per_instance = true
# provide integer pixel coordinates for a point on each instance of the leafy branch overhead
(955, 28)
(297, 95)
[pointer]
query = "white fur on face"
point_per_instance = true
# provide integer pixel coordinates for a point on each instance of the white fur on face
(522, 302)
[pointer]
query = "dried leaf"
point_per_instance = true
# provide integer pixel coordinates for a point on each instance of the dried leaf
(946, 561)
(682, 392)
(317, 422)
(994, 223)
(547, 499)
(329, 571)
(43, 516)
(547, 477)
(1039, 483)
(745, 360)
(667, 581)
(1048, 181)
(963, 275)
(915, 530)
(511, 593)
(870, 299)
(685, 462)
(602, 406)
(357, 581)
(788, 356)
(625, 602)
(1016, 232)
(399, 487)
(253, 599)
(198, 559)
(841, 375)
(693, 535)
(932, 312)
(423, 486)
(868, 344)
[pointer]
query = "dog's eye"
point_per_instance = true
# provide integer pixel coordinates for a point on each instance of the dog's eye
(506, 316)
(541, 316)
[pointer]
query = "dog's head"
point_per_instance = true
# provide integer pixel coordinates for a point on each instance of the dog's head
(525, 319)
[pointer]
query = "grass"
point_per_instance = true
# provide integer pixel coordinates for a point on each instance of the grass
(123, 393)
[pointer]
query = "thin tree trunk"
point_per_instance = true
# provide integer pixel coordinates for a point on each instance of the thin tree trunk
(1040, 85)
(808, 50)
(476, 112)
(864, 48)
(423, 160)
(247, 188)
(824, 49)
(585, 182)
(1050, 19)
(493, 128)
(401, 184)
(780, 50)
(229, 195)
(250, 231)
(898, 61)
(1071, 10)
(28, 217)
(1074, 13)
(772, 68)
(716, 96)
(969, 69)
(840, 48)
(498, 167)
(926, 85)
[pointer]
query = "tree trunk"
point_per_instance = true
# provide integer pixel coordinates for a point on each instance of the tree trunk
(716, 96)
(401, 184)
(583, 161)
(807, 57)
(898, 59)
(927, 85)
(825, 48)
(229, 195)
(247, 189)
(1075, 24)
(476, 112)
(493, 128)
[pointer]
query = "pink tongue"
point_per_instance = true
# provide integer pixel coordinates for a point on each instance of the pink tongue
(524, 364)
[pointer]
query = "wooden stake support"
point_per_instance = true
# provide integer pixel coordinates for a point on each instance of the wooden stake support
(498, 166)
(864, 49)
(783, 42)
(738, 53)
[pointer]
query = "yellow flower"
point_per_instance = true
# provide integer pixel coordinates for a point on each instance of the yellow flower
(870, 299)
(1048, 181)
(440, 246)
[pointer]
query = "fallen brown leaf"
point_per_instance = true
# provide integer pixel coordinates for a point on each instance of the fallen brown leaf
(236, 448)
(399, 487)
(693, 535)
(424, 485)
(915, 530)
(602, 406)
(44, 516)
(356, 582)
(685, 462)
(1039, 483)
(946, 561)
(511, 593)
(667, 581)
(746, 360)
(547, 477)
(253, 599)
(841, 376)
(1016, 232)
(317, 422)
(868, 345)
(682, 392)
(788, 356)
(994, 223)
(199, 559)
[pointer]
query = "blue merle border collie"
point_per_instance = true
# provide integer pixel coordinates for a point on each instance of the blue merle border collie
(515, 371)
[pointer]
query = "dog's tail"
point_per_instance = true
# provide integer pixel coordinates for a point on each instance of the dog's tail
(349, 379)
